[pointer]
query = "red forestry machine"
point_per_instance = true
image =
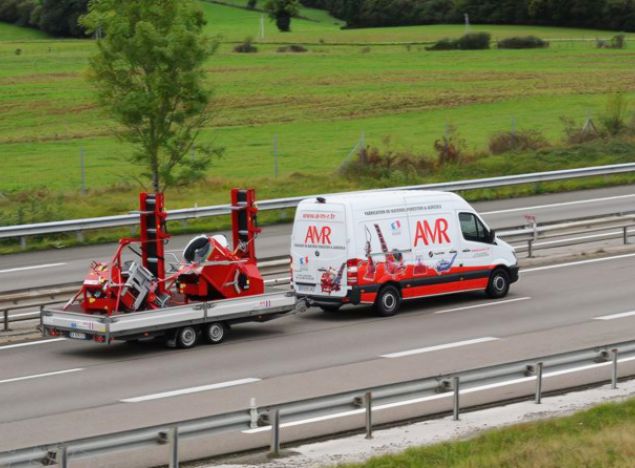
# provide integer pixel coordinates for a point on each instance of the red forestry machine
(209, 269)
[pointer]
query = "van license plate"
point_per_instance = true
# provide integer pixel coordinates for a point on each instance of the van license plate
(304, 288)
(77, 336)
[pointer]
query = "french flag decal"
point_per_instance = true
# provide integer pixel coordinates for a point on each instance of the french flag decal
(304, 260)
(396, 225)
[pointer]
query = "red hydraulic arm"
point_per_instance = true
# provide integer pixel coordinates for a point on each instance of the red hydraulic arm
(153, 236)
(244, 222)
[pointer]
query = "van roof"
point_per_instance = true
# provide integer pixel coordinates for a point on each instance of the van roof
(387, 197)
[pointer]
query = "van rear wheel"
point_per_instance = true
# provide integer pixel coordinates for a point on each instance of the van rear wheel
(498, 285)
(388, 301)
(330, 308)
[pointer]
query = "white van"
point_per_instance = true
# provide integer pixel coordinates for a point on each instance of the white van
(381, 248)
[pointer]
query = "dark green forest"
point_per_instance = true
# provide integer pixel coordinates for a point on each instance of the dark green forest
(600, 14)
(56, 17)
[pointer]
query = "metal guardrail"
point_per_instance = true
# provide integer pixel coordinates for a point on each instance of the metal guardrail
(80, 225)
(362, 401)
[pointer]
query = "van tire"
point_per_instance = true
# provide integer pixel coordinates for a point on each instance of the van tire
(498, 285)
(186, 337)
(215, 332)
(388, 301)
(330, 308)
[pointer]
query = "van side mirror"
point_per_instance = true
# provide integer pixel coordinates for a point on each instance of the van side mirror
(491, 236)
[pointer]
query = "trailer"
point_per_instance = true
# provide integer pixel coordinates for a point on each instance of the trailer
(212, 286)
(181, 326)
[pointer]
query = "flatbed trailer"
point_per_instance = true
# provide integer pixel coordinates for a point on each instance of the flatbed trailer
(182, 326)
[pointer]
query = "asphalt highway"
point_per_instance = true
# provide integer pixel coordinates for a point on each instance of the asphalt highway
(61, 389)
(39, 269)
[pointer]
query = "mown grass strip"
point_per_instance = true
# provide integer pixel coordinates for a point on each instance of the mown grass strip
(600, 437)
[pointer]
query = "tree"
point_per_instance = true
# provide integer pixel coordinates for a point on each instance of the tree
(282, 11)
(60, 17)
(148, 74)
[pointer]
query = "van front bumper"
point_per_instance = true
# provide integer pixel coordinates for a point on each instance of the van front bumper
(513, 273)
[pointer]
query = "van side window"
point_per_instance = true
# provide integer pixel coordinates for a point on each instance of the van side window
(472, 228)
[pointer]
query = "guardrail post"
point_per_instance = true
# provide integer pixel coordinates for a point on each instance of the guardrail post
(23, 242)
(253, 414)
(6, 320)
(614, 369)
(456, 402)
(80, 236)
(368, 404)
(625, 233)
(275, 434)
(62, 457)
(172, 438)
(530, 243)
(538, 398)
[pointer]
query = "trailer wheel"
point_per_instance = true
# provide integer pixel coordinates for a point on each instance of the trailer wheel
(186, 337)
(388, 301)
(215, 332)
(498, 285)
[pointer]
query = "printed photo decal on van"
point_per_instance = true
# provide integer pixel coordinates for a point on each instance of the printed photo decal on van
(331, 279)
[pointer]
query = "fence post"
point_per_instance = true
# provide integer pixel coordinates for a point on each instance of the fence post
(614, 369)
(368, 403)
(538, 398)
(455, 387)
(6, 320)
(173, 441)
(275, 434)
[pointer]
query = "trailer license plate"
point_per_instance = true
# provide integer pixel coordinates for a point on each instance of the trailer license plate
(77, 335)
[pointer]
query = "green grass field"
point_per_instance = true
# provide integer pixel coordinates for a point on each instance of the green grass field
(9, 32)
(317, 104)
(601, 437)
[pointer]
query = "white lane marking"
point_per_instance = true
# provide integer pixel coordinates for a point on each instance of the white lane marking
(582, 262)
(438, 396)
(37, 376)
(615, 316)
(31, 343)
(486, 304)
(186, 391)
(34, 267)
(430, 349)
(558, 205)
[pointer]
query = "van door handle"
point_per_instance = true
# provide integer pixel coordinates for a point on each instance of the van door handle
(466, 250)
(452, 251)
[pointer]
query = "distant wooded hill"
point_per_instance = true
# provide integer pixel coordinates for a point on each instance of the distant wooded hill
(600, 14)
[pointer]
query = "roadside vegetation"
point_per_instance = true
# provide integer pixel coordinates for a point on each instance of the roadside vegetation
(603, 436)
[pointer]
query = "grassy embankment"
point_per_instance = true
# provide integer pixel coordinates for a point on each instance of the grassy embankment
(317, 103)
(601, 437)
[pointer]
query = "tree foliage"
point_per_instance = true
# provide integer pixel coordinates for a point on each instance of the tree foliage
(148, 74)
(282, 11)
(604, 14)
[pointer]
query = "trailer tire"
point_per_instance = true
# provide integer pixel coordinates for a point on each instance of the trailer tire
(498, 285)
(186, 337)
(215, 332)
(388, 301)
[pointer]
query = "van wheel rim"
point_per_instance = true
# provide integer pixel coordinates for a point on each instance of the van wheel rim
(499, 283)
(188, 336)
(215, 332)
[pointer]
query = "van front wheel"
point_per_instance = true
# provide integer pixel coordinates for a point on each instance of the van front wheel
(388, 301)
(498, 285)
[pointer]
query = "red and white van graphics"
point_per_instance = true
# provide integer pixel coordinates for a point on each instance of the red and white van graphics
(384, 247)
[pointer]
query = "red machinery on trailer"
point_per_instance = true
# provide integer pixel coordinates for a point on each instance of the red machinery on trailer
(211, 276)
